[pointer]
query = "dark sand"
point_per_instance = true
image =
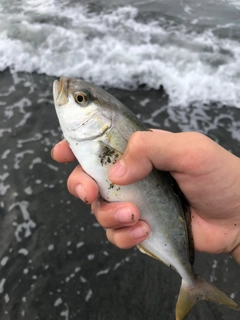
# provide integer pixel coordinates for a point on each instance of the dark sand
(55, 261)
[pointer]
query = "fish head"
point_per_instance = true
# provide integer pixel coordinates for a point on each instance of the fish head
(81, 108)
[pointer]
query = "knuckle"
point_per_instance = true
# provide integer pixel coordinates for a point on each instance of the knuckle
(102, 213)
(118, 238)
(94, 208)
(136, 141)
(197, 138)
(99, 216)
(70, 184)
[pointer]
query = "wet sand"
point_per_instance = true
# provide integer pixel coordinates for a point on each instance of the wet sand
(55, 261)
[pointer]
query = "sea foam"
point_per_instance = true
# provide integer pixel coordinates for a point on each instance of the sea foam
(115, 48)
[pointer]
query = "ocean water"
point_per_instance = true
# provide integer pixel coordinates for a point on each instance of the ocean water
(191, 48)
(176, 64)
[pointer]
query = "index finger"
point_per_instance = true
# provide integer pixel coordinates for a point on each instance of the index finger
(61, 152)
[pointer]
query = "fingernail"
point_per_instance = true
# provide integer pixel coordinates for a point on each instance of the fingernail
(80, 191)
(124, 215)
(52, 151)
(139, 231)
(118, 170)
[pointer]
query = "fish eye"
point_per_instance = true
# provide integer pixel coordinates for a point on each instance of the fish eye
(81, 98)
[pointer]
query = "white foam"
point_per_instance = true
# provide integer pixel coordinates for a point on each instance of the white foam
(58, 302)
(65, 313)
(35, 161)
(51, 247)
(23, 251)
(234, 3)
(83, 280)
(4, 261)
(25, 271)
(2, 282)
(91, 256)
(28, 190)
(6, 298)
(6, 153)
(2, 131)
(115, 49)
(4, 187)
(23, 229)
(99, 273)
(89, 295)
(36, 137)
(79, 244)
(52, 167)
(19, 156)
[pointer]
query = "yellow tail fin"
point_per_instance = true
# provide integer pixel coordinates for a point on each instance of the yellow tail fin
(202, 290)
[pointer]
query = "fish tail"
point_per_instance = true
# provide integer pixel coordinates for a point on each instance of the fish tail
(201, 290)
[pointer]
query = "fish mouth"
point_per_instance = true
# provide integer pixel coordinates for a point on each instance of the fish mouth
(60, 91)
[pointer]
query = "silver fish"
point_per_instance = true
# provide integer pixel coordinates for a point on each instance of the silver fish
(97, 127)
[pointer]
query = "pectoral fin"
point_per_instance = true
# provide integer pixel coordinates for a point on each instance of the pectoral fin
(108, 155)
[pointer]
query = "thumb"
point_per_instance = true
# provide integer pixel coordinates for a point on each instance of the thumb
(183, 152)
(145, 149)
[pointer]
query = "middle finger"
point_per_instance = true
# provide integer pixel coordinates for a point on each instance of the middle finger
(115, 214)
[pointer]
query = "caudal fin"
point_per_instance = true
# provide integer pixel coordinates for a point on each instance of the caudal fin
(202, 290)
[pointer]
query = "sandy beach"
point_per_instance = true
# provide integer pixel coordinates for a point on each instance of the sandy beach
(55, 261)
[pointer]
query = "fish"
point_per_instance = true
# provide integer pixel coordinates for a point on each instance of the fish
(97, 128)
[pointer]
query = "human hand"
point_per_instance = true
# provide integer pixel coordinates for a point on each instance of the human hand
(207, 174)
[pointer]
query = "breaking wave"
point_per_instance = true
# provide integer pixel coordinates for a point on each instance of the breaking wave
(116, 48)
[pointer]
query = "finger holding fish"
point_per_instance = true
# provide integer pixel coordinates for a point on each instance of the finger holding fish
(82, 185)
(79, 183)
(129, 237)
(62, 153)
(115, 215)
